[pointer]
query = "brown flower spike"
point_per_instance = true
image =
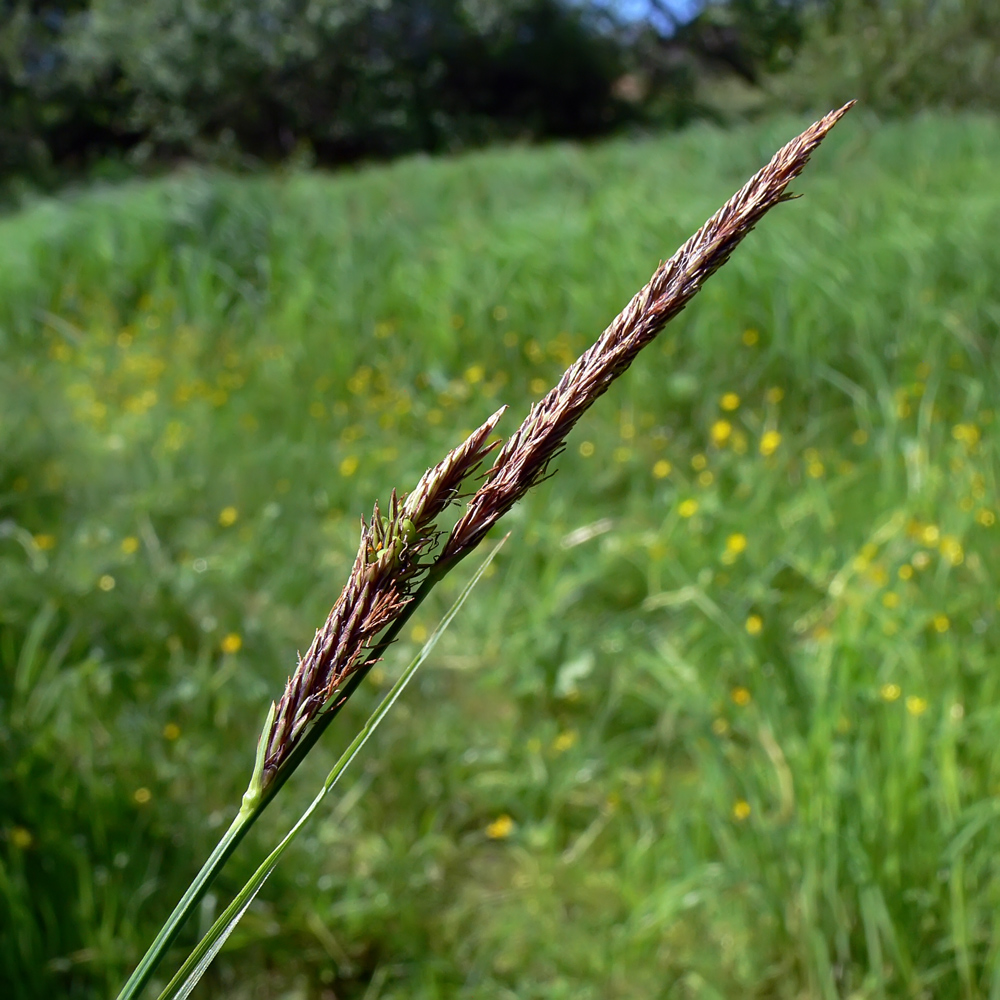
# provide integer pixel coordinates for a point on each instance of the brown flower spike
(389, 564)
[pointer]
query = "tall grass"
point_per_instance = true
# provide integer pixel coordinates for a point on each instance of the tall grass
(738, 740)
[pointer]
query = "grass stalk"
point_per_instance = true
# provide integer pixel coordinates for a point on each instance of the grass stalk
(400, 558)
(201, 957)
(256, 799)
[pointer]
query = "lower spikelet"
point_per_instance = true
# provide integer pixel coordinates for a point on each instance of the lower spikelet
(388, 564)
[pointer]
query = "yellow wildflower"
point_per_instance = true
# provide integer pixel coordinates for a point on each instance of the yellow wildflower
(729, 402)
(171, 731)
(130, 544)
(930, 534)
(661, 469)
(769, 442)
(941, 623)
(968, 434)
(45, 542)
(750, 337)
(775, 394)
(741, 810)
(951, 549)
(586, 448)
(890, 692)
(721, 430)
(687, 508)
(736, 543)
(106, 582)
(500, 828)
(915, 705)
(21, 838)
(740, 696)
(232, 643)
(349, 466)
(142, 796)
(754, 624)
(228, 516)
(564, 741)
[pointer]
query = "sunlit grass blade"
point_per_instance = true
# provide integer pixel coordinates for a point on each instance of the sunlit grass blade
(201, 958)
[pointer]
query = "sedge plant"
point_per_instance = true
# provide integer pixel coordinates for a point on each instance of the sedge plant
(403, 551)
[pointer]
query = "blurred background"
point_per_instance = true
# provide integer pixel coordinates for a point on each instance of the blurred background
(722, 720)
(106, 87)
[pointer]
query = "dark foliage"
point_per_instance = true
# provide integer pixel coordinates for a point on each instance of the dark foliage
(336, 80)
(898, 57)
(99, 83)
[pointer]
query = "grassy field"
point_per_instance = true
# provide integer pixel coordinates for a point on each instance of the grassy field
(725, 720)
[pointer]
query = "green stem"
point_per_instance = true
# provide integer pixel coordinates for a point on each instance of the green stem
(198, 961)
(257, 799)
(192, 896)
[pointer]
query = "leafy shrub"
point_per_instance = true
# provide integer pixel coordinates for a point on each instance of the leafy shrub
(897, 56)
(333, 79)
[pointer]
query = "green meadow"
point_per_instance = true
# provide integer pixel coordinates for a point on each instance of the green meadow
(725, 719)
